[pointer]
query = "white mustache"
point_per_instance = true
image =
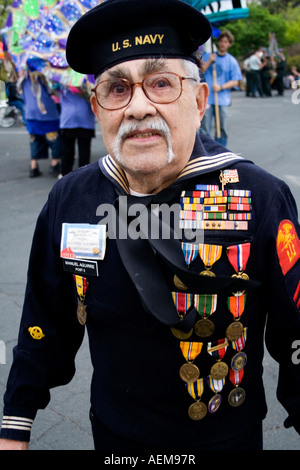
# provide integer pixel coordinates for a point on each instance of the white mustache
(157, 125)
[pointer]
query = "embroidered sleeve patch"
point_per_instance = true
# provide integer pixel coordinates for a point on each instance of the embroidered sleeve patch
(288, 246)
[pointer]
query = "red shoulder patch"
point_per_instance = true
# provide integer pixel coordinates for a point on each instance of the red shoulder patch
(288, 245)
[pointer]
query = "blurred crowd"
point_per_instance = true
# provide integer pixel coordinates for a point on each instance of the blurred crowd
(265, 73)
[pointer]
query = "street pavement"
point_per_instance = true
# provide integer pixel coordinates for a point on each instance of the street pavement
(263, 130)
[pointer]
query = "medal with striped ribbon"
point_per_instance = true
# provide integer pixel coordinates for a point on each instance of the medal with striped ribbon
(237, 396)
(205, 305)
(216, 386)
(183, 303)
(209, 255)
(189, 372)
(198, 409)
(238, 256)
(217, 350)
(236, 305)
(190, 252)
(239, 360)
(81, 287)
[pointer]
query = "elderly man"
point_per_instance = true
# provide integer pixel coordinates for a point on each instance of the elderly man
(175, 302)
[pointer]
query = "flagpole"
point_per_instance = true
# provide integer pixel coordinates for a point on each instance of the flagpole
(217, 111)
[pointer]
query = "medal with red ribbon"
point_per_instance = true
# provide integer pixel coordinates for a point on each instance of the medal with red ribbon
(238, 256)
(183, 303)
(237, 396)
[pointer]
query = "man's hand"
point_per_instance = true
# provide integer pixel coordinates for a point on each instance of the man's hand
(9, 444)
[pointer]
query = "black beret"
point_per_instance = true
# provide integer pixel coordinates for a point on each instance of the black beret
(119, 30)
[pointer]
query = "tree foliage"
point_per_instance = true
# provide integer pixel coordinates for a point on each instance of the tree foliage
(253, 32)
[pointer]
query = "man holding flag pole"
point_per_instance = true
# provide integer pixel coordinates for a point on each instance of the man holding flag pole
(222, 73)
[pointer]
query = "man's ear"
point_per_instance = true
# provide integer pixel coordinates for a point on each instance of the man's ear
(95, 106)
(201, 98)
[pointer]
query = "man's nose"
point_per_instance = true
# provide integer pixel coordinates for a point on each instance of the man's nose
(139, 105)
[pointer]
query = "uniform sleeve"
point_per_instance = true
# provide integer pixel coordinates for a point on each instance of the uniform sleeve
(283, 280)
(49, 334)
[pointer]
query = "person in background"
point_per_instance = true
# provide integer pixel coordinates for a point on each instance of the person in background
(77, 124)
(42, 121)
(228, 75)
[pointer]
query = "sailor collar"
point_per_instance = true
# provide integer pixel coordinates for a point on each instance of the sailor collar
(200, 163)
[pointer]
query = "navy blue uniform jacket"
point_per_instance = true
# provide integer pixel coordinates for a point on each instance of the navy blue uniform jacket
(136, 388)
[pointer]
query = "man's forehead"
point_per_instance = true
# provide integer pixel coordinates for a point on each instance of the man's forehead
(143, 67)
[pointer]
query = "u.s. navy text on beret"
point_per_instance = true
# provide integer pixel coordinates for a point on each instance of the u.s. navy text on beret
(121, 30)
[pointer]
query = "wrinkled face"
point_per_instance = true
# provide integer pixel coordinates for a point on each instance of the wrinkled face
(146, 138)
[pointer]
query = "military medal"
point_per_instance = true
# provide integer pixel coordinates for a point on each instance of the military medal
(238, 361)
(182, 302)
(236, 305)
(217, 349)
(238, 256)
(205, 306)
(189, 372)
(81, 312)
(197, 410)
(81, 287)
(216, 386)
(209, 255)
(237, 396)
(178, 283)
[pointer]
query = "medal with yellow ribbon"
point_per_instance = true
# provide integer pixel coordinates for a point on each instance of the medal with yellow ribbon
(198, 409)
(81, 288)
(205, 305)
(189, 372)
(209, 255)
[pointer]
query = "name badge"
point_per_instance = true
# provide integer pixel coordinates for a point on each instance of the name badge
(83, 241)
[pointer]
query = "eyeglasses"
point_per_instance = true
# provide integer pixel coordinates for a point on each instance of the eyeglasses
(160, 88)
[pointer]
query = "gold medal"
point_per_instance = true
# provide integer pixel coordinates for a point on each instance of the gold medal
(236, 397)
(208, 273)
(181, 334)
(238, 361)
(214, 403)
(204, 328)
(189, 372)
(81, 312)
(234, 331)
(241, 275)
(178, 283)
(197, 410)
(219, 370)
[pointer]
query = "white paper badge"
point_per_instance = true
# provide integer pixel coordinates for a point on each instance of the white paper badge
(83, 241)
